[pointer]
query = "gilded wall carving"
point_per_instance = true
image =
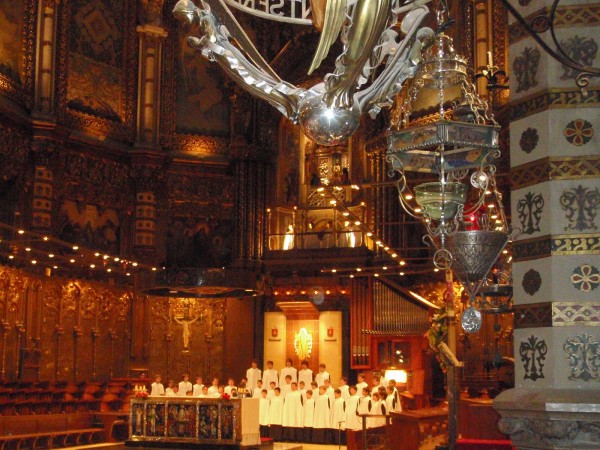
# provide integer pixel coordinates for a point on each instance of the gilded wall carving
(187, 335)
(55, 329)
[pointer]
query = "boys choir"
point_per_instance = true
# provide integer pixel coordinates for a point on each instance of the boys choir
(293, 407)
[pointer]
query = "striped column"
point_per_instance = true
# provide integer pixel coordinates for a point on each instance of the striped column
(555, 172)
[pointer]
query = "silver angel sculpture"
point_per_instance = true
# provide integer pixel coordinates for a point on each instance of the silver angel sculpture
(328, 112)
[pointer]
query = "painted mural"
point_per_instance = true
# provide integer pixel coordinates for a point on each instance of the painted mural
(202, 242)
(96, 58)
(90, 226)
(11, 39)
(202, 106)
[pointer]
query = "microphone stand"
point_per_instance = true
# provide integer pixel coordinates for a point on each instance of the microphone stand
(340, 433)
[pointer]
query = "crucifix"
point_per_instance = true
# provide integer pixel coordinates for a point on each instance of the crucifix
(185, 315)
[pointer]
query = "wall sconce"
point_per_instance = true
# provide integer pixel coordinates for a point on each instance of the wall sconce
(303, 343)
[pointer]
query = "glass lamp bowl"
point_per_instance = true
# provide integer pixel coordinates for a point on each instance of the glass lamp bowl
(441, 200)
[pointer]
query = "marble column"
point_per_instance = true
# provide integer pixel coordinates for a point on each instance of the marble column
(555, 173)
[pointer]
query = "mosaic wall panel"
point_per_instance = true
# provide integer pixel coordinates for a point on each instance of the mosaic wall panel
(533, 315)
(572, 313)
(555, 168)
(556, 98)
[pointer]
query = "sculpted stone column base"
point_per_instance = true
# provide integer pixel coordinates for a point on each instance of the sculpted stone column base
(557, 419)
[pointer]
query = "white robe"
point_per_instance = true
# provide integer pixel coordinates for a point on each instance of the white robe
(330, 392)
(271, 393)
(288, 371)
(305, 375)
(364, 407)
(345, 391)
(253, 375)
(353, 422)
(257, 393)
(157, 389)
(360, 386)
(185, 387)
(309, 413)
(338, 414)
(377, 409)
(263, 408)
(292, 410)
(320, 378)
(169, 392)
(268, 376)
(213, 390)
(276, 411)
(285, 389)
(228, 389)
(197, 390)
(392, 402)
(322, 412)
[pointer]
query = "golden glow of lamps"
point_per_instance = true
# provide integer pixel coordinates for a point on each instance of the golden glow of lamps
(399, 376)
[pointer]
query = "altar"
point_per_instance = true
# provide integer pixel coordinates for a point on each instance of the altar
(185, 420)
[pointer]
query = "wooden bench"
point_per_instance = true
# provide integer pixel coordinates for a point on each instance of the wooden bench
(51, 439)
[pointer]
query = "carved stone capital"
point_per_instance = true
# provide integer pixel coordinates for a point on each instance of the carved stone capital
(550, 418)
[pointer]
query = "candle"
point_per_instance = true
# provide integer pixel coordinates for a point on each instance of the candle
(489, 59)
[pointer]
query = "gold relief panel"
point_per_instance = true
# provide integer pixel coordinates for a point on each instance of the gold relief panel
(201, 146)
(62, 329)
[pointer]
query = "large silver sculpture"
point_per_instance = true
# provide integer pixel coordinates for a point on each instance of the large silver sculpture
(328, 112)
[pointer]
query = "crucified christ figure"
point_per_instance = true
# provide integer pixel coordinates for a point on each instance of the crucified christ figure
(185, 322)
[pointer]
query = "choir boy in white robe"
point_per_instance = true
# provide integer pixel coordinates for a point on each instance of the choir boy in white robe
(276, 416)
(383, 381)
(329, 390)
(375, 383)
(315, 388)
(288, 370)
(338, 418)
(309, 417)
(271, 390)
(197, 388)
(322, 375)
(157, 387)
(169, 392)
(322, 421)
(286, 386)
(293, 414)
(173, 392)
(213, 390)
(263, 412)
(258, 391)
(204, 393)
(361, 383)
(253, 374)
(364, 406)
(352, 420)
(270, 374)
(302, 389)
(185, 385)
(305, 374)
(392, 401)
(230, 386)
(344, 387)
(378, 409)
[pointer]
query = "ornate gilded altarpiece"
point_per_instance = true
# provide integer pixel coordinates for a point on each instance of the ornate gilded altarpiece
(186, 335)
(97, 67)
